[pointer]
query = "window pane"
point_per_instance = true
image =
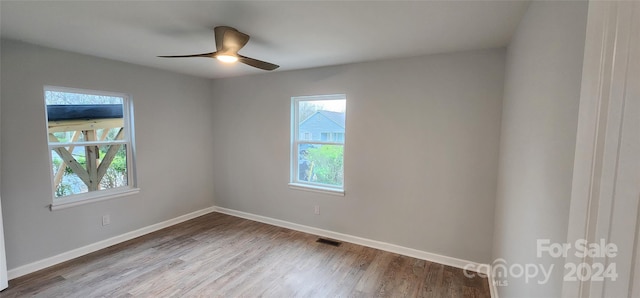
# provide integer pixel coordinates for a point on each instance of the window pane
(110, 134)
(321, 164)
(70, 98)
(110, 169)
(75, 117)
(321, 119)
(116, 171)
(66, 182)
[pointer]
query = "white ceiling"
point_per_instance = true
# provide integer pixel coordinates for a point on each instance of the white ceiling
(292, 34)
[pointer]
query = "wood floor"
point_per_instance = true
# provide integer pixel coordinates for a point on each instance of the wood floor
(217, 255)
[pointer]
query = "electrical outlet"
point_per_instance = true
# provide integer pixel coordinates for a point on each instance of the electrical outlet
(106, 220)
(316, 209)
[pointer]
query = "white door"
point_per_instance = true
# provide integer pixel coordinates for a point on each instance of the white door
(605, 197)
(635, 48)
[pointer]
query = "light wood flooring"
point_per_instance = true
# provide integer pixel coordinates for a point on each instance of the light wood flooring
(218, 255)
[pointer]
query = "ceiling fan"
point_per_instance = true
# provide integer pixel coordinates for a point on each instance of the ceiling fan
(228, 42)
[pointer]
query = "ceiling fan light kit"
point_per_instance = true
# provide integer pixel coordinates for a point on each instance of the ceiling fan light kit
(227, 58)
(228, 42)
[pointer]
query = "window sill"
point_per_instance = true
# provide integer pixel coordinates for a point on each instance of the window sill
(318, 189)
(93, 198)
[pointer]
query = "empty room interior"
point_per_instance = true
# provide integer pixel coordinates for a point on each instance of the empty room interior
(319, 148)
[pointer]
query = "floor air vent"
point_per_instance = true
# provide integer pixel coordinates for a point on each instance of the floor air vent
(329, 242)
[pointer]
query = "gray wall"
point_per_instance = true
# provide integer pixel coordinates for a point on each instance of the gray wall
(420, 156)
(537, 146)
(173, 129)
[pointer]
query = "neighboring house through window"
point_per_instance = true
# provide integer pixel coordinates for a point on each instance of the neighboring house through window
(332, 136)
(90, 144)
(318, 135)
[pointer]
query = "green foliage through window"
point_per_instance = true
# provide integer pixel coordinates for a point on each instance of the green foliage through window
(327, 161)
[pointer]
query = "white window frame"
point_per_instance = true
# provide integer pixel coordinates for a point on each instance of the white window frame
(128, 140)
(294, 182)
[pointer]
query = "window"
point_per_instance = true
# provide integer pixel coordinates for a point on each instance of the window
(90, 144)
(317, 145)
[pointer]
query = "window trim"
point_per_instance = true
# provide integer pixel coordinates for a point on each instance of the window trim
(294, 183)
(316, 188)
(128, 141)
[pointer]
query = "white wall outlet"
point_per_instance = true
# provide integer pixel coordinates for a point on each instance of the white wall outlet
(316, 209)
(106, 220)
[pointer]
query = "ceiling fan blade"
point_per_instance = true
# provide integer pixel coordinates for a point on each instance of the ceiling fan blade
(229, 40)
(257, 63)
(210, 55)
(219, 35)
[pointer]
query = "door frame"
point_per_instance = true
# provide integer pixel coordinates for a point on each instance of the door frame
(606, 177)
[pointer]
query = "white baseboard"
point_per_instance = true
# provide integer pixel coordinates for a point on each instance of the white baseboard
(72, 254)
(419, 254)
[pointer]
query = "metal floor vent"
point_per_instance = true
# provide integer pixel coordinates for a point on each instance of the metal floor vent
(329, 242)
